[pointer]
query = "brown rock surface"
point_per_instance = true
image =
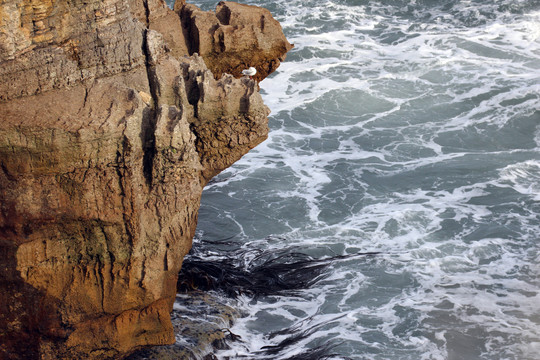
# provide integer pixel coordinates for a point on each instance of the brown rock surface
(236, 37)
(108, 134)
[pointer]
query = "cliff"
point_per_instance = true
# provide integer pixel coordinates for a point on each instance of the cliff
(110, 126)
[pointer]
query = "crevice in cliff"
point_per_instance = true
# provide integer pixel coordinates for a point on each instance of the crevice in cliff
(166, 261)
(121, 169)
(86, 92)
(149, 119)
(149, 144)
(143, 274)
(224, 15)
(146, 13)
(192, 87)
(100, 278)
(190, 31)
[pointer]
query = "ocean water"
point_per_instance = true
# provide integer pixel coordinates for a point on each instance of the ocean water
(409, 130)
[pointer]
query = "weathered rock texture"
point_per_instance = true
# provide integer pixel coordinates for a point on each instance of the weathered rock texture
(109, 130)
(236, 37)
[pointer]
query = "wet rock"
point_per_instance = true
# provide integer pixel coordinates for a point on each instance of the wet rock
(201, 321)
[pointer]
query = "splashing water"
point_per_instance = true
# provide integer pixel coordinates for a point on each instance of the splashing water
(406, 128)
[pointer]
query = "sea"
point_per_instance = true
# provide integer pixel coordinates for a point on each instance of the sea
(394, 210)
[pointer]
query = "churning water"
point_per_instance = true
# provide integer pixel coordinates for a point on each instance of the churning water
(407, 129)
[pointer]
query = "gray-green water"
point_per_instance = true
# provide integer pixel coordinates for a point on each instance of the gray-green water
(411, 128)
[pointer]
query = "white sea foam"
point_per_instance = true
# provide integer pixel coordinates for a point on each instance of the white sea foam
(523, 177)
(412, 130)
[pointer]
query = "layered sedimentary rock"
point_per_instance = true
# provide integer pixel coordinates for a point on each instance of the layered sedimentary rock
(110, 126)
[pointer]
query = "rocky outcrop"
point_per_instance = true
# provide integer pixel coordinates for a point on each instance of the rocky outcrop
(236, 37)
(109, 130)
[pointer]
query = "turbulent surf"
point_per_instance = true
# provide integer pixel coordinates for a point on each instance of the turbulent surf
(408, 130)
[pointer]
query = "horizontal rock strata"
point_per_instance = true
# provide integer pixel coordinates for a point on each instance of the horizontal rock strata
(110, 126)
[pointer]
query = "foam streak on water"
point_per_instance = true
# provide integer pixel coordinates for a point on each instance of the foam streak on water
(411, 128)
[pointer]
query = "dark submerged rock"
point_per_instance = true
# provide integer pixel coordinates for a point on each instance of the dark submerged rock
(235, 271)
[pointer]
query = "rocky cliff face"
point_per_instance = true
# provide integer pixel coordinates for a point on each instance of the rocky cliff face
(110, 126)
